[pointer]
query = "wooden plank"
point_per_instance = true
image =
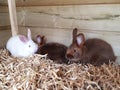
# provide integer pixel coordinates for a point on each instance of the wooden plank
(5, 27)
(59, 2)
(13, 17)
(64, 36)
(5, 9)
(5, 20)
(4, 36)
(92, 17)
(4, 16)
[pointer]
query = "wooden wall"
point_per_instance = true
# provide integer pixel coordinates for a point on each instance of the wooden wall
(56, 19)
(5, 27)
(21, 3)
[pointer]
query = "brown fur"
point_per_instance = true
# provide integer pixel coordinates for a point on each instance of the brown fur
(55, 51)
(94, 51)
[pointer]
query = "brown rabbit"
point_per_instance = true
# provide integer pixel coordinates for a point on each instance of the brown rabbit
(55, 51)
(94, 51)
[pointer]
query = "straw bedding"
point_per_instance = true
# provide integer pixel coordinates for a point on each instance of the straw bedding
(38, 73)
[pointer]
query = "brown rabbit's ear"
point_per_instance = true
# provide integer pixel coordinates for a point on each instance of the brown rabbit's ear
(80, 39)
(40, 40)
(74, 34)
(43, 40)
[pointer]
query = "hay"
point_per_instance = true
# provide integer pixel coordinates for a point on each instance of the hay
(36, 73)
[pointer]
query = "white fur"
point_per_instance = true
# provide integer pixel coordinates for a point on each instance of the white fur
(19, 48)
(79, 40)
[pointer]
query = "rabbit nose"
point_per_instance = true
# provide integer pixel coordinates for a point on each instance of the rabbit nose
(70, 56)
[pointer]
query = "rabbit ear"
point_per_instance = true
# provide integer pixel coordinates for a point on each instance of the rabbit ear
(74, 34)
(40, 40)
(80, 39)
(23, 39)
(29, 34)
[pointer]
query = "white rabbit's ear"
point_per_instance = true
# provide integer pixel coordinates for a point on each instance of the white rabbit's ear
(29, 34)
(80, 39)
(23, 39)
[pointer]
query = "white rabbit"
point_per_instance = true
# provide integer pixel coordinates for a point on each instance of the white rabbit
(21, 46)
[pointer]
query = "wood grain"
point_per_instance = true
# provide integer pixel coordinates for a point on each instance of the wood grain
(4, 36)
(92, 17)
(26, 3)
(13, 17)
(5, 20)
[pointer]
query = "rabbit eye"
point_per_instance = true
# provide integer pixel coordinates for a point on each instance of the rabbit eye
(29, 46)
